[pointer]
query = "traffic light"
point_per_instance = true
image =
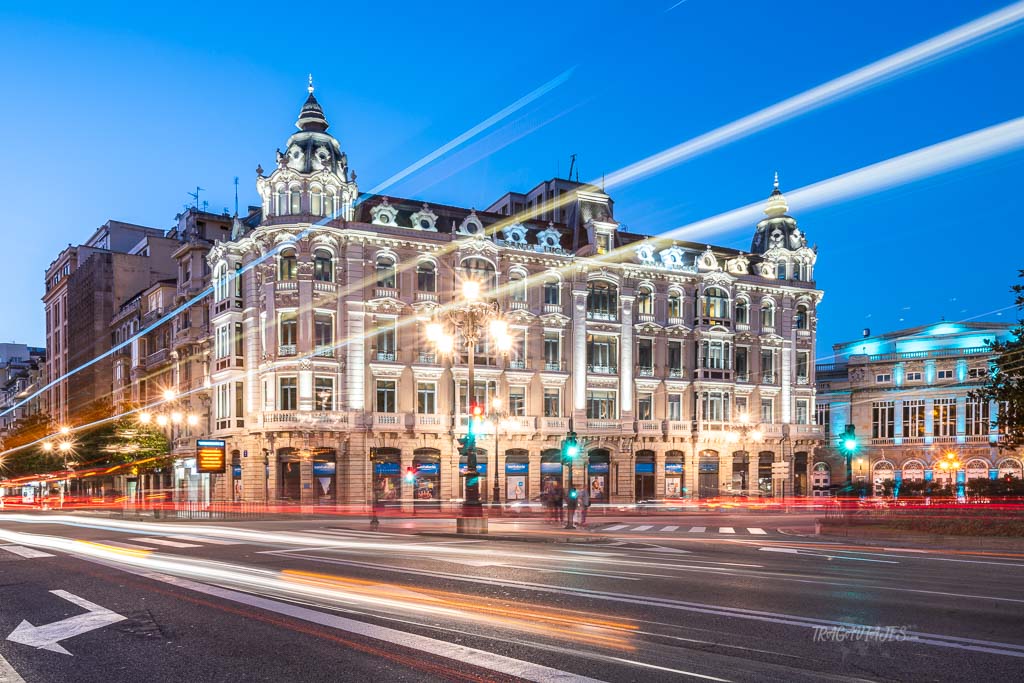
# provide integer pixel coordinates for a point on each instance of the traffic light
(574, 494)
(410, 475)
(570, 447)
(476, 416)
(848, 441)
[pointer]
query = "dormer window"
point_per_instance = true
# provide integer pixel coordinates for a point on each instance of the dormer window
(424, 219)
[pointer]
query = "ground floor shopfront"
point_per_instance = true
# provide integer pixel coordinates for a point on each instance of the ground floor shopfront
(329, 468)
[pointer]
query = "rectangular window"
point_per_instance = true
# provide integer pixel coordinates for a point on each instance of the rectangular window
(944, 417)
(715, 355)
(222, 342)
(823, 416)
(675, 407)
(675, 359)
(977, 418)
(287, 393)
(426, 398)
(601, 405)
(517, 401)
(482, 392)
(802, 411)
(883, 378)
(386, 396)
(767, 366)
(645, 407)
(552, 351)
(323, 393)
(803, 363)
(945, 374)
(883, 420)
(767, 410)
(715, 406)
(239, 341)
(239, 401)
(977, 373)
(602, 354)
(645, 354)
(913, 376)
(551, 294)
(386, 342)
(742, 407)
(323, 333)
(223, 402)
(552, 402)
(742, 364)
(913, 419)
(288, 332)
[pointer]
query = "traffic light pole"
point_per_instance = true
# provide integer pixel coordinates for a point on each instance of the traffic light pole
(471, 506)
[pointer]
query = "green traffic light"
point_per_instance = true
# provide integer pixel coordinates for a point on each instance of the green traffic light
(572, 451)
(850, 444)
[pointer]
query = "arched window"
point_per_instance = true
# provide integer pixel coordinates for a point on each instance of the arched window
(715, 304)
(295, 205)
(282, 201)
(316, 201)
(675, 305)
(480, 270)
(288, 268)
(517, 282)
(323, 266)
(742, 311)
(602, 300)
(645, 301)
(780, 269)
(800, 317)
(767, 314)
(220, 282)
(330, 203)
(426, 277)
(386, 275)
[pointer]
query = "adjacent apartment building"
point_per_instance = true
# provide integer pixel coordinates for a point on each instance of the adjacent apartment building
(906, 393)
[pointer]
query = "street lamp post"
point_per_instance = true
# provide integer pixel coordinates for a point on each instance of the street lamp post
(170, 418)
(497, 415)
(473, 318)
(951, 464)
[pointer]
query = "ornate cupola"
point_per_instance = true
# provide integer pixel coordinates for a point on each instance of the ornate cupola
(779, 229)
(312, 178)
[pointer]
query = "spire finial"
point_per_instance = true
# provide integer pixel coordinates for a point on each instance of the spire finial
(776, 173)
(310, 88)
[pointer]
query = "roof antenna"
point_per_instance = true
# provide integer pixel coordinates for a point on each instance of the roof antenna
(236, 195)
(572, 165)
(195, 195)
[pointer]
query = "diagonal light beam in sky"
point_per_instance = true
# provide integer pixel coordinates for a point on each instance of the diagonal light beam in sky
(844, 86)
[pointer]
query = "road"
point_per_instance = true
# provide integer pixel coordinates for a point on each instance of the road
(90, 599)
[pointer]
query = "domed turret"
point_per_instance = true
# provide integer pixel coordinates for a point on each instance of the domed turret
(779, 229)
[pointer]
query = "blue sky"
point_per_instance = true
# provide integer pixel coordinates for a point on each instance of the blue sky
(117, 111)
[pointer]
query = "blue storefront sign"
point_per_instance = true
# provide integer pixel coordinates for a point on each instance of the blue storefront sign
(551, 468)
(324, 469)
(707, 467)
(673, 468)
(236, 471)
(517, 467)
(385, 468)
(428, 468)
(599, 467)
(481, 468)
(645, 468)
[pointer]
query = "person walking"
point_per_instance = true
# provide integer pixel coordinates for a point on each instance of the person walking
(584, 504)
(572, 502)
(558, 500)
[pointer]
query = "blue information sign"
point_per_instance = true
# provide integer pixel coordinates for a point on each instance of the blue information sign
(551, 468)
(385, 468)
(428, 468)
(481, 468)
(324, 469)
(517, 467)
(645, 468)
(599, 467)
(673, 468)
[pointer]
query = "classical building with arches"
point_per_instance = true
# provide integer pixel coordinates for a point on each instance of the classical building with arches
(686, 369)
(907, 394)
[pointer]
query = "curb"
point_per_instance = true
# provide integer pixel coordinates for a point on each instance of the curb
(519, 539)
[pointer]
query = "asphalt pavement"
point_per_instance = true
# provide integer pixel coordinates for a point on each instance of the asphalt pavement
(91, 599)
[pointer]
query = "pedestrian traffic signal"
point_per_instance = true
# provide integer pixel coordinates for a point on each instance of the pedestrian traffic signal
(476, 416)
(570, 447)
(410, 475)
(848, 441)
(574, 494)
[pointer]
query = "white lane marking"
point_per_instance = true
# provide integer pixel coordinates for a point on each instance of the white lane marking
(458, 653)
(801, 553)
(698, 529)
(48, 636)
(206, 539)
(129, 546)
(726, 530)
(669, 528)
(167, 542)
(574, 571)
(616, 527)
(22, 551)
(7, 672)
(756, 530)
(643, 527)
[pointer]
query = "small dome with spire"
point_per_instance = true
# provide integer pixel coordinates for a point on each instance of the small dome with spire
(778, 230)
(311, 117)
(776, 202)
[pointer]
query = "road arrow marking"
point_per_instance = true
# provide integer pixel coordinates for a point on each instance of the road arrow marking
(796, 551)
(48, 636)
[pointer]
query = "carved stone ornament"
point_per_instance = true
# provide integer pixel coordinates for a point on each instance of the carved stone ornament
(471, 226)
(707, 261)
(515, 234)
(645, 253)
(384, 213)
(424, 219)
(766, 269)
(549, 239)
(672, 257)
(739, 265)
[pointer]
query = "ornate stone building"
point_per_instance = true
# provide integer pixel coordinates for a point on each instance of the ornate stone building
(906, 393)
(325, 387)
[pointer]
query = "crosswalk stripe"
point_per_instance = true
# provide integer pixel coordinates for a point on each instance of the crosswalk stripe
(643, 527)
(616, 527)
(669, 528)
(129, 546)
(756, 530)
(167, 542)
(22, 551)
(203, 539)
(698, 529)
(726, 530)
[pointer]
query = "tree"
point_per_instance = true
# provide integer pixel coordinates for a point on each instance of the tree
(1005, 384)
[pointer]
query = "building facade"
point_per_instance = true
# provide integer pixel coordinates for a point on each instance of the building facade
(686, 369)
(22, 370)
(907, 395)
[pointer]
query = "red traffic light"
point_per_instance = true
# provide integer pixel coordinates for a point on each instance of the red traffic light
(476, 410)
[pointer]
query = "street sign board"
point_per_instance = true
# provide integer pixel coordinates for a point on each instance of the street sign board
(210, 456)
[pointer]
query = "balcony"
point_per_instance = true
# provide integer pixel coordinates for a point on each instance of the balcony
(518, 305)
(294, 419)
(716, 322)
(157, 357)
(768, 378)
(287, 350)
(602, 369)
(554, 366)
(678, 428)
(385, 293)
(517, 364)
(554, 425)
(768, 329)
(552, 308)
(644, 371)
(675, 373)
(227, 305)
(426, 358)
(742, 327)
(803, 333)
(603, 426)
(723, 374)
(742, 376)
(882, 442)
(324, 351)
(286, 286)
(802, 379)
(807, 430)
(388, 356)
(432, 423)
(645, 317)
(648, 427)
(390, 421)
(324, 286)
(520, 423)
(603, 316)
(674, 320)
(426, 296)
